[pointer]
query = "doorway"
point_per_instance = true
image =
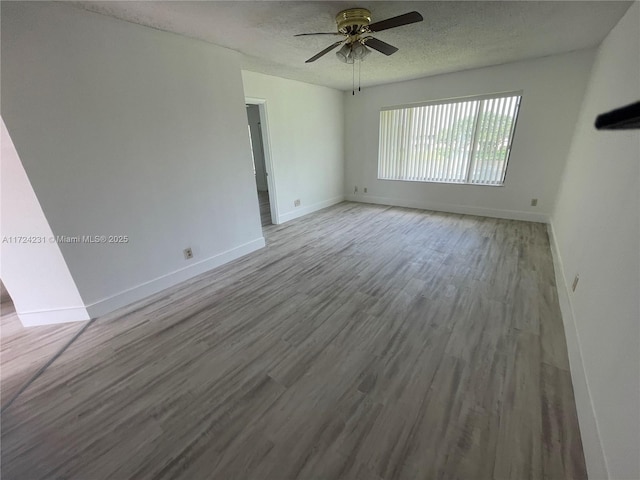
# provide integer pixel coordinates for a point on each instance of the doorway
(256, 113)
(6, 303)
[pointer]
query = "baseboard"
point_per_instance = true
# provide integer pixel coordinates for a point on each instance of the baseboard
(301, 211)
(126, 297)
(594, 454)
(451, 208)
(50, 317)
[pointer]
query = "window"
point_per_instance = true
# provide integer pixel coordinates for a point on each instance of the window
(466, 140)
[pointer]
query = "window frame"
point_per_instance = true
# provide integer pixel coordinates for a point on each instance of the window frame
(450, 101)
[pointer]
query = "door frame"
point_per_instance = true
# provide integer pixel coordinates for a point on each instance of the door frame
(268, 161)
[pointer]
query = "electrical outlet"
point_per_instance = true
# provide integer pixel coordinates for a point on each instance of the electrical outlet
(575, 283)
(355, 189)
(534, 202)
(296, 203)
(188, 253)
(365, 189)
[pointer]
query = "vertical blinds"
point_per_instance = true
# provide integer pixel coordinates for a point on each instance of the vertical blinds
(457, 142)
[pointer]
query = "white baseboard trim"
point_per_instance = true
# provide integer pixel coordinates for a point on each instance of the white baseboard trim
(451, 208)
(126, 297)
(50, 317)
(301, 211)
(594, 454)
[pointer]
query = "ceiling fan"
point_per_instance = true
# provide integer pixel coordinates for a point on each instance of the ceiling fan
(354, 24)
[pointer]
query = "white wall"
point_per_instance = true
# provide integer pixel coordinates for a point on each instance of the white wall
(596, 225)
(41, 286)
(126, 130)
(306, 134)
(553, 89)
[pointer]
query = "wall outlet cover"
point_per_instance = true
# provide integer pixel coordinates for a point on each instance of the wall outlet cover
(188, 253)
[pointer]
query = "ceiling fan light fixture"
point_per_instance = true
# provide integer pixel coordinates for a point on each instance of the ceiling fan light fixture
(345, 54)
(359, 51)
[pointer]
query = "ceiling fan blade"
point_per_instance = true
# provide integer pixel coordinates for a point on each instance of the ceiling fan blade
(317, 33)
(379, 45)
(400, 20)
(324, 52)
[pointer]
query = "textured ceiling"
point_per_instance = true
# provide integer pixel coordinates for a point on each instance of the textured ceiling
(454, 35)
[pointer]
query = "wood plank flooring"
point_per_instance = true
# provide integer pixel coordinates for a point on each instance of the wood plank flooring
(24, 351)
(364, 342)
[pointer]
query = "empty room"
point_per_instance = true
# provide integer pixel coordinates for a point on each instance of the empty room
(320, 240)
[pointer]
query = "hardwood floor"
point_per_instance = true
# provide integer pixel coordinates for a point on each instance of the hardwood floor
(24, 351)
(364, 342)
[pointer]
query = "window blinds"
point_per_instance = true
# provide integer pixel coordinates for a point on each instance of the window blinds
(464, 141)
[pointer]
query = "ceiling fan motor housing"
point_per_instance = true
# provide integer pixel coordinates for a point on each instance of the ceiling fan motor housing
(352, 20)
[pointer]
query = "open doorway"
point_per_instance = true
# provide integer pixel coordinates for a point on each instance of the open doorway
(6, 303)
(263, 170)
(259, 166)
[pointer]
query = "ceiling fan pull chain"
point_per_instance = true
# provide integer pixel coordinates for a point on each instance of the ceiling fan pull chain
(359, 67)
(353, 78)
